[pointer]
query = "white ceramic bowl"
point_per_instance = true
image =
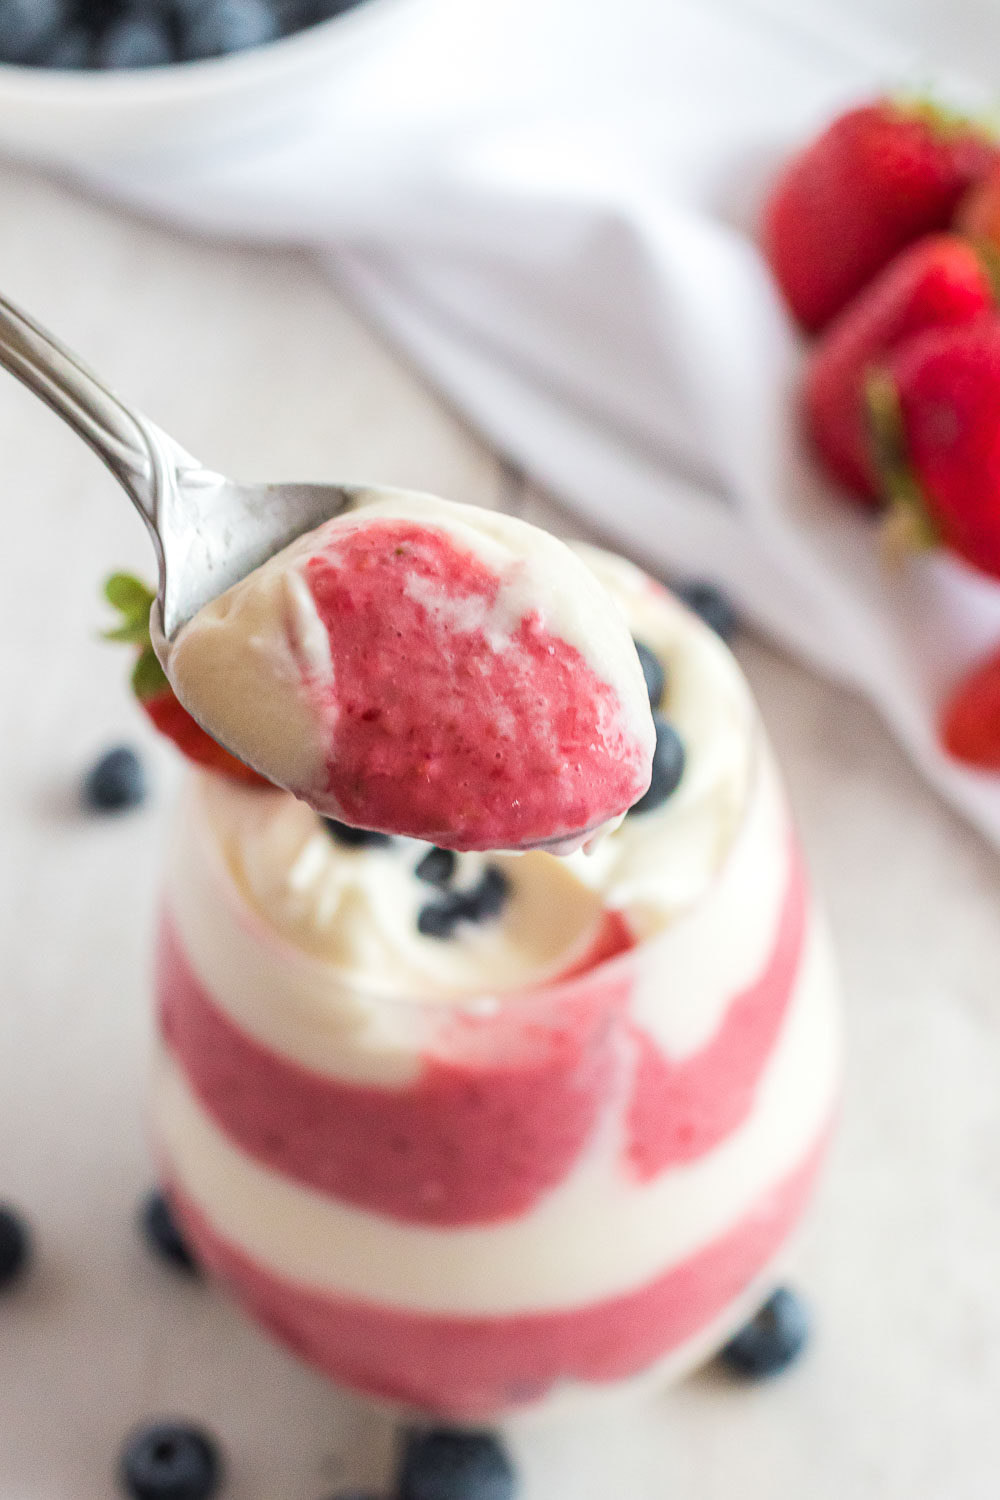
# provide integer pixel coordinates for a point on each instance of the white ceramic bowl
(90, 119)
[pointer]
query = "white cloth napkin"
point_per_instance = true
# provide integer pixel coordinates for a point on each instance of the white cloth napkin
(549, 204)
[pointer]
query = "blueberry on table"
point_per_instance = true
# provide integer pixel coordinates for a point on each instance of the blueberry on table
(447, 1465)
(26, 26)
(772, 1340)
(710, 604)
(668, 767)
(437, 867)
(170, 1461)
(355, 838)
(135, 42)
(652, 670)
(116, 781)
(15, 1246)
(218, 27)
(161, 1233)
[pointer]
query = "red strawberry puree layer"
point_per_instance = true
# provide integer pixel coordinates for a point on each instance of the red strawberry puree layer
(472, 1368)
(438, 731)
(680, 1110)
(504, 1105)
(474, 1139)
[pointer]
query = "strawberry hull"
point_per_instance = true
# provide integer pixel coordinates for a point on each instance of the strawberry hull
(947, 387)
(939, 282)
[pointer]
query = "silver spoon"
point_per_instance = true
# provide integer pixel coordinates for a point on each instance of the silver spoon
(208, 531)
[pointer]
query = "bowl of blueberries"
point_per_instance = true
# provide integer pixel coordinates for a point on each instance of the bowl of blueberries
(95, 82)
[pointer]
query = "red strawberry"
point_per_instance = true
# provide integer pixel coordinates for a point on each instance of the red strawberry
(939, 280)
(878, 178)
(936, 412)
(133, 601)
(970, 723)
(978, 215)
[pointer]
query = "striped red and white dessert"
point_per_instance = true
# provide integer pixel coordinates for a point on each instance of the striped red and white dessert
(429, 669)
(471, 1133)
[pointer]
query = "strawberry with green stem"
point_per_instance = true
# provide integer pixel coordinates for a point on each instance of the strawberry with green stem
(133, 600)
(940, 281)
(934, 407)
(878, 178)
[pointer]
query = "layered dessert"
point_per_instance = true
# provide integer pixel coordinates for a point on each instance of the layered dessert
(425, 668)
(471, 1132)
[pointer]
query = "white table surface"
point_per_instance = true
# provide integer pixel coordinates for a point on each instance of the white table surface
(249, 358)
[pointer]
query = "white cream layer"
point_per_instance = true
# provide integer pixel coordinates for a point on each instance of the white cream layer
(342, 983)
(657, 864)
(254, 665)
(560, 1255)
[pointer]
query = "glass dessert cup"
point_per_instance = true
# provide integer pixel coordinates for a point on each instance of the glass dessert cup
(466, 1207)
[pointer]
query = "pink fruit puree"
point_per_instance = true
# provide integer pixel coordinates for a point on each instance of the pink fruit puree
(471, 1368)
(500, 1111)
(436, 732)
(470, 1141)
(680, 1110)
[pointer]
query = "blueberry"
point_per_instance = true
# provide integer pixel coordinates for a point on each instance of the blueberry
(445, 1465)
(355, 838)
(710, 604)
(668, 767)
(116, 781)
(26, 26)
(217, 27)
(15, 1245)
(170, 1461)
(135, 42)
(489, 897)
(163, 1236)
(66, 49)
(438, 919)
(437, 867)
(772, 1340)
(652, 670)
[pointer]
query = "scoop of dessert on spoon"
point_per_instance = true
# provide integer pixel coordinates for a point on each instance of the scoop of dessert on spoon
(400, 662)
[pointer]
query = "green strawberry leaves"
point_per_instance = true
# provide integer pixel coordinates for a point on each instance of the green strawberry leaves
(944, 119)
(148, 677)
(909, 526)
(133, 600)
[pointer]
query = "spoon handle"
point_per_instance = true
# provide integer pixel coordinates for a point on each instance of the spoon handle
(117, 435)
